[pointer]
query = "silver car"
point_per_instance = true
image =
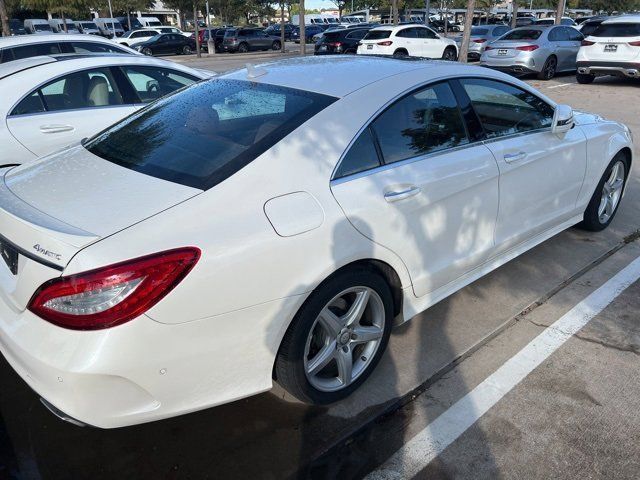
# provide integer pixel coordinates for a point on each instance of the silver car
(543, 50)
(481, 36)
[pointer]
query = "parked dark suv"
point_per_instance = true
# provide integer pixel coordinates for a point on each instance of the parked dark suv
(340, 41)
(245, 39)
(216, 33)
(275, 30)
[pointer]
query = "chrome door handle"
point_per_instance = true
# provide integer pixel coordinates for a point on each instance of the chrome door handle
(394, 196)
(56, 128)
(515, 157)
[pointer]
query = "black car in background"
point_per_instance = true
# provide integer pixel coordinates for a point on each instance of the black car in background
(276, 29)
(167, 44)
(309, 32)
(218, 36)
(340, 41)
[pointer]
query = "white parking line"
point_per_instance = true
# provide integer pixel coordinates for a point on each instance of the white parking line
(561, 85)
(416, 454)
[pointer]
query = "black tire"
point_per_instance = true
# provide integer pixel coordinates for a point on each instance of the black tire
(243, 48)
(549, 69)
(186, 50)
(276, 45)
(591, 221)
(449, 54)
(290, 368)
(400, 53)
(147, 51)
(584, 78)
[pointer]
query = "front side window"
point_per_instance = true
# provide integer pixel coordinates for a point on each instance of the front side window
(574, 35)
(506, 110)
(361, 156)
(202, 135)
(151, 83)
(420, 123)
(558, 34)
(426, 33)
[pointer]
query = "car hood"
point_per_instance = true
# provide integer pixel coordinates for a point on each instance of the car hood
(586, 118)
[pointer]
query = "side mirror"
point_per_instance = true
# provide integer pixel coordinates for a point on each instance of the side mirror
(562, 119)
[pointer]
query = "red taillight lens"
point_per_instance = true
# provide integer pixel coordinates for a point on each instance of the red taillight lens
(634, 44)
(488, 48)
(527, 48)
(480, 40)
(385, 44)
(587, 43)
(335, 44)
(112, 295)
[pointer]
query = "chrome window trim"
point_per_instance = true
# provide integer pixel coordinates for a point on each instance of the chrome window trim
(103, 107)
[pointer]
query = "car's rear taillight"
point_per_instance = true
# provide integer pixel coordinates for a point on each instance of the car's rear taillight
(528, 48)
(479, 40)
(587, 43)
(112, 295)
(488, 48)
(634, 44)
(335, 44)
(385, 44)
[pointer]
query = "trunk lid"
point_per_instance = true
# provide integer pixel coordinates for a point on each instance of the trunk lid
(614, 49)
(54, 207)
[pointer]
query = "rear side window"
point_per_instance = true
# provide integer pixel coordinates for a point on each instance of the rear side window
(151, 83)
(499, 31)
(95, 47)
(423, 122)
(558, 34)
(202, 135)
(524, 34)
(618, 30)
(26, 51)
(361, 156)
(377, 34)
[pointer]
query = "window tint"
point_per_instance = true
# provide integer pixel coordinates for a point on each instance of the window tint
(357, 34)
(361, 156)
(203, 134)
(426, 33)
(88, 89)
(26, 51)
(558, 34)
(151, 83)
(407, 33)
(377, 34)
(574, 35)
(479, 31)
(524, 34)
(505, 110)
(617, 30)
(94, 47)
(499, 31)
(30, 104)
(420, 123)
(589, 28)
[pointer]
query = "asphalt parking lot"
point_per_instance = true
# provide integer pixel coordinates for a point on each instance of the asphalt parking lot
(573, 416)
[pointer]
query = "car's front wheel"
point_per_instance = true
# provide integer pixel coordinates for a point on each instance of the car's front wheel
(449, 54)
(336, 338)
(147, 51)
(186, 50)
(243, 48)
(606, 199)
(276, 45)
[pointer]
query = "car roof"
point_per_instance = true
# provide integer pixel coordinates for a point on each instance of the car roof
(31, 39)
(624, 19)
(339, 75)
(395, 27)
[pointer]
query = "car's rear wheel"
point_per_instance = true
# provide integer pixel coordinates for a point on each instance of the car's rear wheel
(243, 48)
(606, 199)
(400, 53)
(549, 69)
(276, 45)
(584, 78)
(147, 51)
(449, 54)
(186, 50)
(336, 338)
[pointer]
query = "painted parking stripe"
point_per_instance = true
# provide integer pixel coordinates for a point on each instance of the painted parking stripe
(561, 85)
(416, 454)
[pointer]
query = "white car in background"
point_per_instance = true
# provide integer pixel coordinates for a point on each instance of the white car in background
(134, 37)
(165, 29)
(612, 49)
(408, 40)
(215, 240)
(51, 102)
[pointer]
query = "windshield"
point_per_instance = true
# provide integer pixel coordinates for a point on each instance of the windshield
(155, 24)
(42, 28)
(377, 34)
(89, 25)
(205, 133)
(524, 34)
(617, 30)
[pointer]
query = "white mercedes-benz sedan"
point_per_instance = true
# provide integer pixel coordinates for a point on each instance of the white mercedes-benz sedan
(50, 102)
(273, 223)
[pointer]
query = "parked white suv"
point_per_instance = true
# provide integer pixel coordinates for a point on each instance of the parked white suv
(408, 40)
(613, 49)
(134, 37)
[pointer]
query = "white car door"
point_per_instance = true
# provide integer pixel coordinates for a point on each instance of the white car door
(432, 45)
(407, 38)
(415, 182)
(66, 110)
(541, 173)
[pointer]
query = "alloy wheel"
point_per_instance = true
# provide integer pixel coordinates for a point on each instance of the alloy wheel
(344, 339)
(611, 192)
(550, 68)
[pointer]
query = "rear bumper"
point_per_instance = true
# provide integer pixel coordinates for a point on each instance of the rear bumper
(513, 69)
(143, 370)
(623, 69)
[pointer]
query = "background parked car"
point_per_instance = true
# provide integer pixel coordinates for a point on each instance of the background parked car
(87, 27)
(481, 37)
(340, 41)
(166, 29)
(591, 25)
(407, 40)
(309, 32)
(109, 27)
(246, 39)
(167, 44)
(136, 37)
(566, 21)
(613, 49)
(218, 36)
(58, 26)
(438, 26)
(135, 23)
(542, 50)
(17, 27)
(53, 101)
(16, 48)
(37, 26)
(276, 29)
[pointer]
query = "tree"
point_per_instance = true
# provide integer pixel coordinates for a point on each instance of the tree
(340, 4)
(466, 34)
(4, 17)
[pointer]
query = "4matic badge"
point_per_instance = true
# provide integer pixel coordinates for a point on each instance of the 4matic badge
(46, 253)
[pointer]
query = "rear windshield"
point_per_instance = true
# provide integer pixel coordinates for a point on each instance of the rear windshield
(524, 34)
(588, 28)
(377, 34)
(204, 134)
(479, 31)
(617, 30)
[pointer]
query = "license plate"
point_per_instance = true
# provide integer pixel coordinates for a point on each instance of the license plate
(10, 256)
(611, 48)
(503, 51)
(369, 47)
